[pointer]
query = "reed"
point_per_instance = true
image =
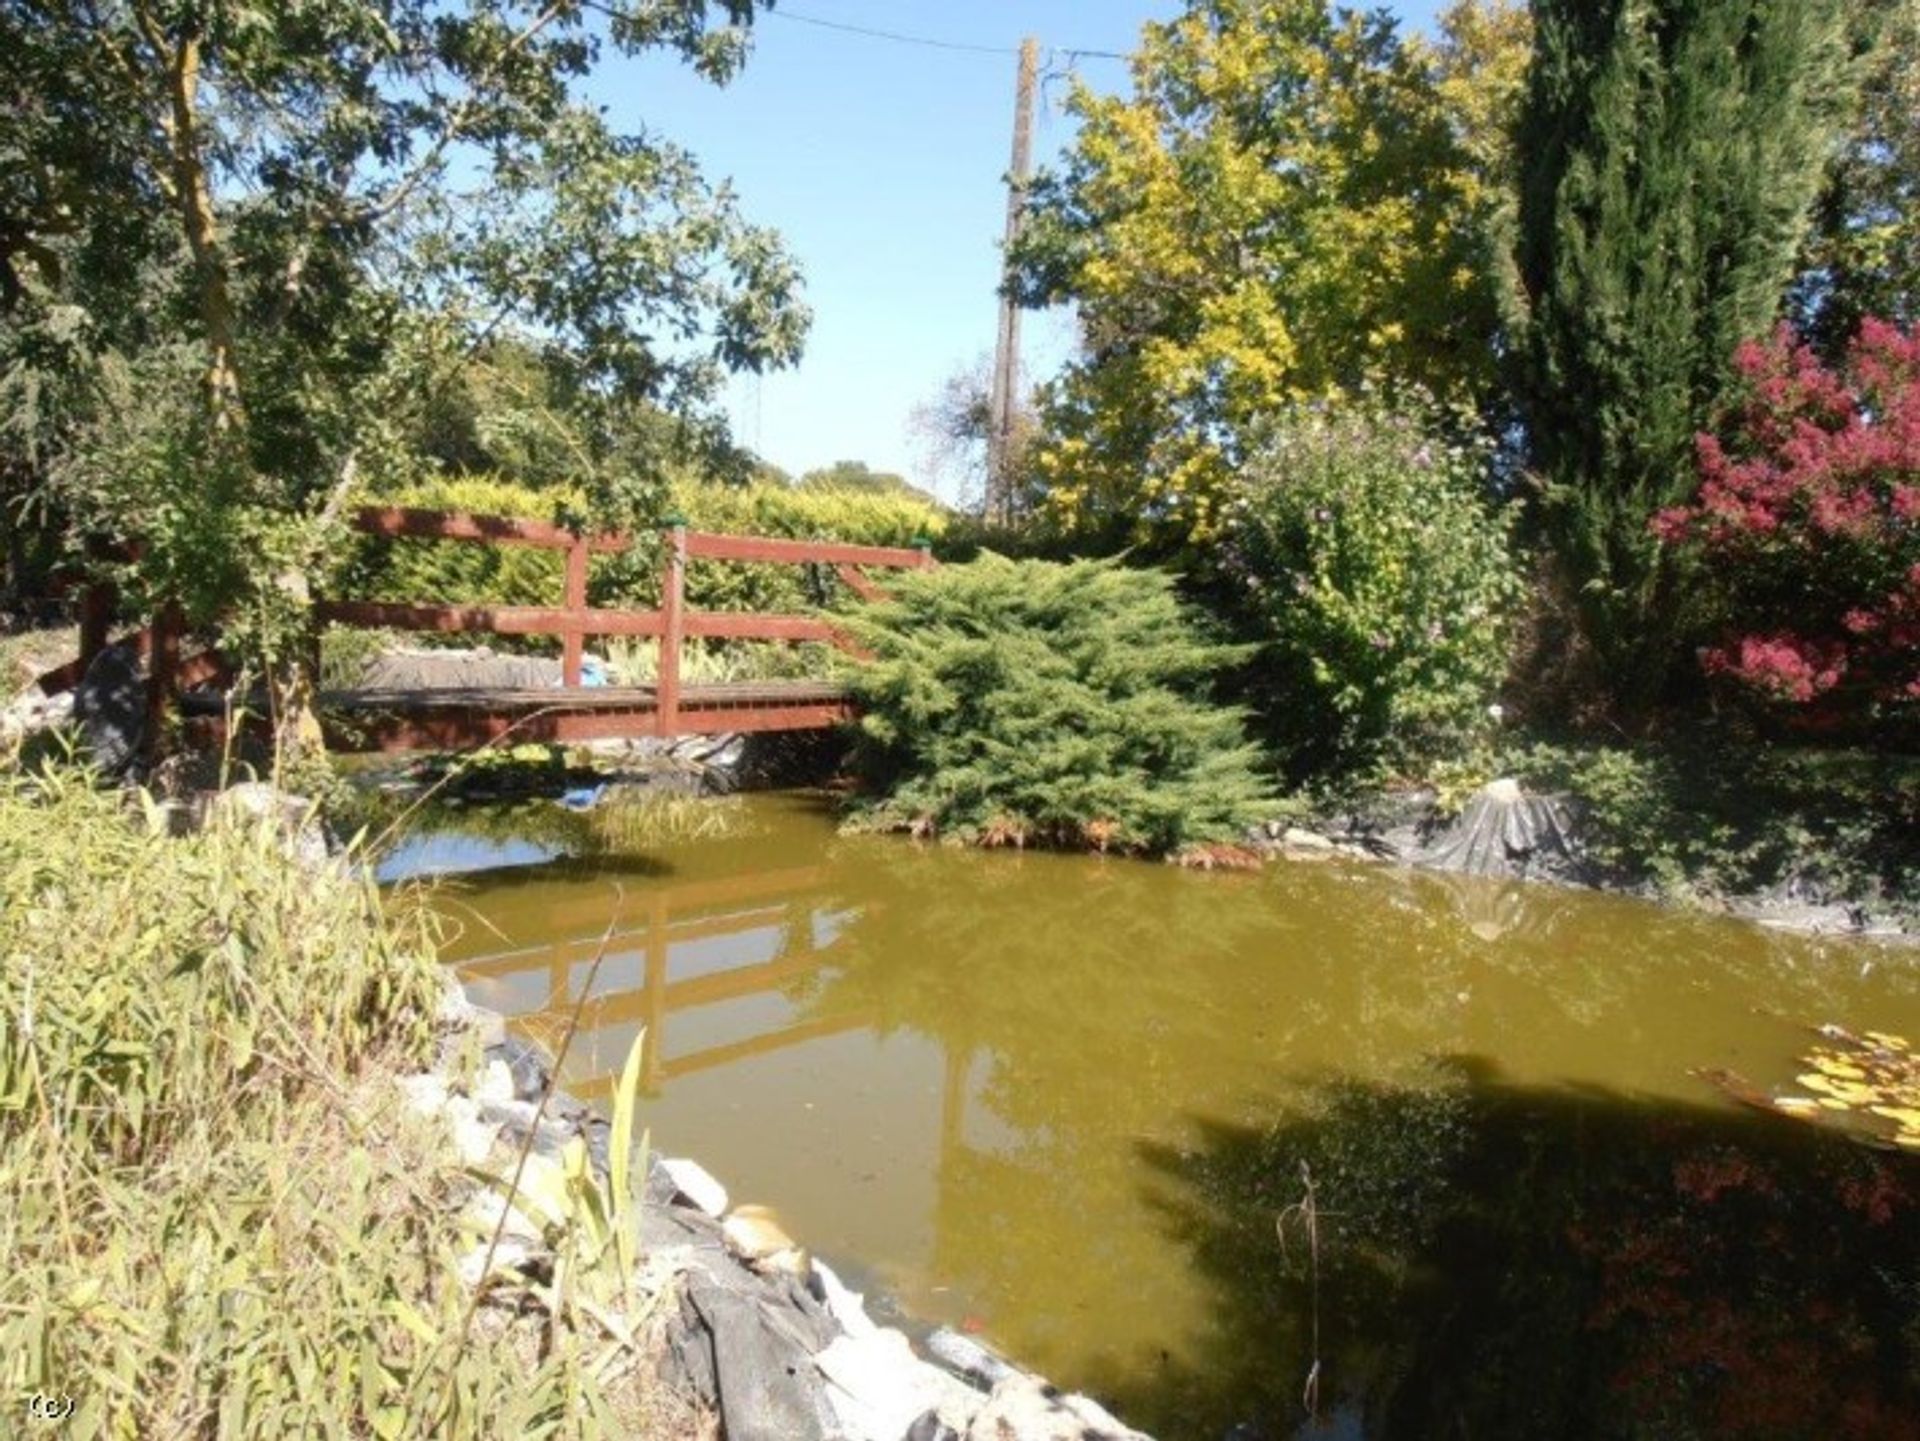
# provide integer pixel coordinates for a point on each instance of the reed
(217, 1217)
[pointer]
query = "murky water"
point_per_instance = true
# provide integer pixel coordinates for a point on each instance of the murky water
(1324, 1150)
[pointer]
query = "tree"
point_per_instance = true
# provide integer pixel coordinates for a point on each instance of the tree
(354, 198)
(953, 427)
(1283, 208)
(1485, 54)
(1862, 256)
(1669, 157)
(68, 137)
(1809, 517)
(506, 411)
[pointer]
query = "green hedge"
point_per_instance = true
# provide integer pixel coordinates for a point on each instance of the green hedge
(412, 570)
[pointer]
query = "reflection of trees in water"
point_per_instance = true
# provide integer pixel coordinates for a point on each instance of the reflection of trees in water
(1111, 1012)
(1080, 978)
(1509, 1261)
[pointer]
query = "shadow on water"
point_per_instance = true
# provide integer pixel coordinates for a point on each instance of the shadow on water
(1499, 1260)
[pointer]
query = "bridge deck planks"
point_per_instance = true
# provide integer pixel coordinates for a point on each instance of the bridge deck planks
(590, 698)
(457, 717)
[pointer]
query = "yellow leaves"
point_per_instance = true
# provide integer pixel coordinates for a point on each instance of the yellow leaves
(1871, 1074)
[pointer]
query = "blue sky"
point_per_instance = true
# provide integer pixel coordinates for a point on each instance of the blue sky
(882, 163)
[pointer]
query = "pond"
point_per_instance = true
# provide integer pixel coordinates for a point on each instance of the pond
(1323, 1150)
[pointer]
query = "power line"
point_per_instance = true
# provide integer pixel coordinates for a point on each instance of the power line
(928, 41)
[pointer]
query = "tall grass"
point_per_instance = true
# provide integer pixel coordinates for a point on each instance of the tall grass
(216, 1218)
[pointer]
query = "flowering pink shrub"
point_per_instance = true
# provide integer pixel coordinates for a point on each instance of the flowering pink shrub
(1808, 520)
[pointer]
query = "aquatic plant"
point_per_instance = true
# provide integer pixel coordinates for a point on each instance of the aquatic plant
(1868, 1079)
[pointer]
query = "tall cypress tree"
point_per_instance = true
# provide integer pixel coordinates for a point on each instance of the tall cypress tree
(1670, 152)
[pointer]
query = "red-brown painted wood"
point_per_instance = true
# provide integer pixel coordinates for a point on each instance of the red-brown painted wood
(402, 522)
(163, 668)
(573, 654)
(669, 708)
(96, 619)
(673, 630)
(736, 625)
(500, 619)
(858, 583)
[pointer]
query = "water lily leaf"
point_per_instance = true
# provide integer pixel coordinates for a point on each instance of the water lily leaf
(1828, 1064)
(1907, 1117)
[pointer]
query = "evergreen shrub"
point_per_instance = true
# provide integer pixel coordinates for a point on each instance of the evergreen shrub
(1016, 702)
(1382, 582)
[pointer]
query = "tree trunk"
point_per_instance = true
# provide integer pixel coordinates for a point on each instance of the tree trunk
(193, 194)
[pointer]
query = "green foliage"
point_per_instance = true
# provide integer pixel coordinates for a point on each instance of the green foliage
(215, 1215)
(168, 967)
(636, 820)
(1282, 209)
(857, 475)
(856, 516)
(1382, 581)
(1862, 255)
(459, 572)
(1713, 820)
(312, 220)
(1669, 155)
(718, 662)
(1010, 702)
(518, 575)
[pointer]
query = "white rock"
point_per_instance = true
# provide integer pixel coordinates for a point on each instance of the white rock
(753, 1233)
(482, 1213)
(1506, 790)
(31, 712)
(472, 1137)
(849, 1308)
(693, 1182)
(1027, 1409)
(494, 1083)
(508, 1257)
(1305, 842)
(878, 1387)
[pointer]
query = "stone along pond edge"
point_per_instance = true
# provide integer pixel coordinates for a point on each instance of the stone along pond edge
(745, 1323)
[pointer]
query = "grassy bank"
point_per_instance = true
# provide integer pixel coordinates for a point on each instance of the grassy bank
(216, 1215)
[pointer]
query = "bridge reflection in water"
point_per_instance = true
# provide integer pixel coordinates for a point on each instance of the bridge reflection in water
(775, 921)
(758, 1060)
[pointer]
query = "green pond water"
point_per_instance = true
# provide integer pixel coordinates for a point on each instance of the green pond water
(1073, 1106)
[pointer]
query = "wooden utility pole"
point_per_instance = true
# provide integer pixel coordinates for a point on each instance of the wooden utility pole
(1003, 405)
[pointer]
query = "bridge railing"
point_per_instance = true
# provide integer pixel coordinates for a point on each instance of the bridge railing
(573, 620)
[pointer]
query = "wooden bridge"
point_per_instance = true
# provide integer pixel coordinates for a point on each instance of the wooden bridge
(452, 718)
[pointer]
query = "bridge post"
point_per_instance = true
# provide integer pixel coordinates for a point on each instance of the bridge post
(673, 624)
(573, 653)
(96, 619)
(97, 603)
(163, 669)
